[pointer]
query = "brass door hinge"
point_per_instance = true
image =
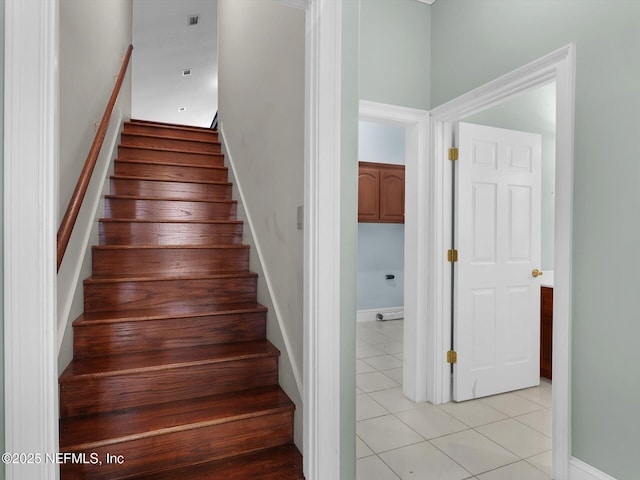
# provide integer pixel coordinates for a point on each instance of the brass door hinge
(453, 153)
(452, 255)
(452, 356)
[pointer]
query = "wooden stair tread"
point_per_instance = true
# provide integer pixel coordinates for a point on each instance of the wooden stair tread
(92, 430)
(278, 463)
(176, 126)
(159, 313)
(170, 164)
(150, 179)
(164, 359)
(170, 137)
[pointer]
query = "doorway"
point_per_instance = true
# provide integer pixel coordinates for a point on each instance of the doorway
(398, 438)
(559, 66)
(509, 265)
(415, 123)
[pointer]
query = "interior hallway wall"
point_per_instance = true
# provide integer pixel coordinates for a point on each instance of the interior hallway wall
(94, 34)
(2, 233)
(348, 233)
(93, 38)
(395, 52)
(261, 104)
(493, 37)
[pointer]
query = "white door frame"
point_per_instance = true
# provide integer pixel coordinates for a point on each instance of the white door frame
(322, 183)
(31, 132)
(30, 207)
(416, 233)
(558, 66)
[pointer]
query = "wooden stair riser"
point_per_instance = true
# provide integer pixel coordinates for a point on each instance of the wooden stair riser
(197, 445)
(167, 210)
(106, 296)
(283, 462)
(158, 233)
(170, 143)
(171, 157)
(185, 133)
(115, 338)
(170, 190)
(168, 261)
(81, 395)
(178, 173)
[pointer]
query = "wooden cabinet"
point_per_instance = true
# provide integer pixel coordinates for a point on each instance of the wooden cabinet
(380, 193)
(546, 331)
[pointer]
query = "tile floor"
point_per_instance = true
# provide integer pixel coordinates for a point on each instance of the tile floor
(503, 437)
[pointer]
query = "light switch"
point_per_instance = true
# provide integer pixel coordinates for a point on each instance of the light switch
(300, 216)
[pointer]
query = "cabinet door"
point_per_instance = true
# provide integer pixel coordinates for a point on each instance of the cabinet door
(368, 194)
(546, 332)
(392, 194)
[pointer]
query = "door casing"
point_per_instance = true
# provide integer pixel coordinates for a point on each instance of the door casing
(558, 66)
(416, 124)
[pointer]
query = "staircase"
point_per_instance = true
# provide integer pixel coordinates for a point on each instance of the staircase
(172, 375)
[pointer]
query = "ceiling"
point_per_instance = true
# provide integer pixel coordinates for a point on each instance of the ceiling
(164, 46)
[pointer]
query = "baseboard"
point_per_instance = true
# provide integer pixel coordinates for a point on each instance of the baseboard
(578, 470)
(369, 315)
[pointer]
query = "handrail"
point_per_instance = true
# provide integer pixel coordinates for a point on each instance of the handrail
(71, 215)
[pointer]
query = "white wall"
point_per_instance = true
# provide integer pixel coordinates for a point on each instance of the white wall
(261, 85)
(93, 38)
(381, 143)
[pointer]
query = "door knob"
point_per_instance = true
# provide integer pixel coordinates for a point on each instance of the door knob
(536, 272)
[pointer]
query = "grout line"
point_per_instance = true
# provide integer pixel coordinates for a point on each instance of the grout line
(469, 427)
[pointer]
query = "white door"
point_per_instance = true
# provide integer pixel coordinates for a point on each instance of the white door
(497, 234)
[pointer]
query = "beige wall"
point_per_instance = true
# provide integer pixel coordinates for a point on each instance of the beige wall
(261, 105)
(94, 36)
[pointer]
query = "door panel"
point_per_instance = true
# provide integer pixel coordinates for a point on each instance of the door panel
(368, 194)
(497, 300)
(392, 194)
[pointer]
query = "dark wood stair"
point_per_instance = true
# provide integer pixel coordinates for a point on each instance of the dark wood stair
(171, 367)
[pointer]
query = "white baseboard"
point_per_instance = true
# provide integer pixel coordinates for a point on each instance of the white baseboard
(370, 314)
(578, 470)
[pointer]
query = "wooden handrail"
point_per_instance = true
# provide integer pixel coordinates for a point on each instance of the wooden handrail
(71, 215)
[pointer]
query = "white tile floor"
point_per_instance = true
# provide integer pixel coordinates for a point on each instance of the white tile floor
(503, 437)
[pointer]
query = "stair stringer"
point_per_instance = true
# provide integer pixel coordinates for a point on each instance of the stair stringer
(289, 372)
